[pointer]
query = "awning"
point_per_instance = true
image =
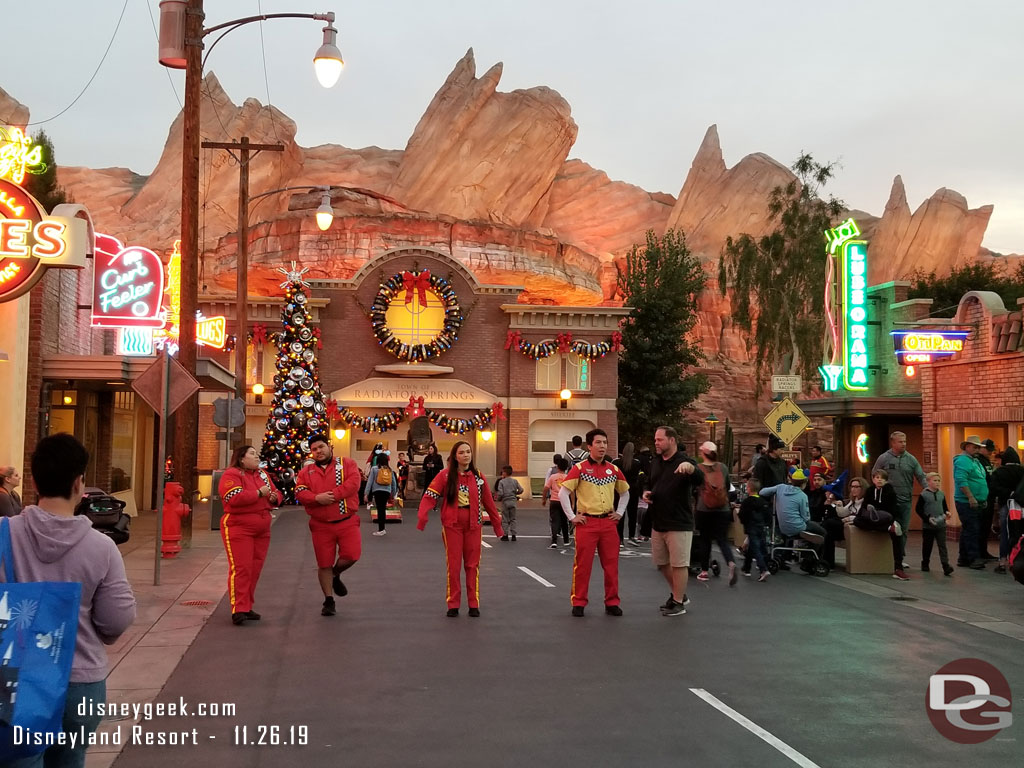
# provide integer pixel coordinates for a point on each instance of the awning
(112, 372)
(861, 407)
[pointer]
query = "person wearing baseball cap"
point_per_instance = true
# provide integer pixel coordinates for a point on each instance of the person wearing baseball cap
(713, 512)
(971, 493)
(792, 510)
(987, 512)
(771, 469)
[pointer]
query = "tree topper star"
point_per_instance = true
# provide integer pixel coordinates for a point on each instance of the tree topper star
(293, 275)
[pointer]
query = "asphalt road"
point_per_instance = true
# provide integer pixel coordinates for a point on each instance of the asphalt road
(838, 677)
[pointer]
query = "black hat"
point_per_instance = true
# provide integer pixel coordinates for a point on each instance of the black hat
(775, 443)
(990, 444)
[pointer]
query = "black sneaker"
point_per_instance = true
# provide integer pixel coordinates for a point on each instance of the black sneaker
(947, 569)
(513, 537)
(253, 616)
(668, 603)
(338, 586)
(613, 610)
(328, 609)
(239, 617)
(924, 567)
(452, 613)
(577, 611)
(553, 545)
(474, 612)
(504, 538)
(977, 565)
(675, 609)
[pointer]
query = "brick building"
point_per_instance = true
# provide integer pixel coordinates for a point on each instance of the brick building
(980, 390)
(477, 372)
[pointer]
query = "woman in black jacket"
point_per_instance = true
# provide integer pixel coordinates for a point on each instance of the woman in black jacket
(1003, 483)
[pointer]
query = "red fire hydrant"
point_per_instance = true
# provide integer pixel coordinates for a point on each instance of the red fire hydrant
(174, 510)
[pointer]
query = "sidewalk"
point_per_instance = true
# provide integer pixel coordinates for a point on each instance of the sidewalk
(169, 616)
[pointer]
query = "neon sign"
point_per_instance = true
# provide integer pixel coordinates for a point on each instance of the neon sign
(18, 155)
(852, 257)
(210, 331)
(128, 286)
(31, 241)
(862, 448)
(134, 342)
(914, 347)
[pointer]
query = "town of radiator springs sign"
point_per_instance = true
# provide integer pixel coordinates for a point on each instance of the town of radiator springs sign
(849, 334)
(32, 241)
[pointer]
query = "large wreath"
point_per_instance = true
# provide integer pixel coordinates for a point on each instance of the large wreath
(405, 286)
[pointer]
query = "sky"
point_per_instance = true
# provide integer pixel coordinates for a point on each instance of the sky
(932, 90)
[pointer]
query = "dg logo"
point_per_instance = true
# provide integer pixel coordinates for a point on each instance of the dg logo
(969, 701)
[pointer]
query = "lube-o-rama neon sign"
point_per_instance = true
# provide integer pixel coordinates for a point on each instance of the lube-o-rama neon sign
(851, 256)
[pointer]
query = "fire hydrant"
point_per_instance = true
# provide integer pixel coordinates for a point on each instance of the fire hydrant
(174, 510)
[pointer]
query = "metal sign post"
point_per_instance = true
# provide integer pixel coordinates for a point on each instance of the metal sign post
(165, 391)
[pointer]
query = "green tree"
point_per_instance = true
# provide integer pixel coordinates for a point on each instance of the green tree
(778, 281)
(946, 291)
(660, 282)
(41, 182)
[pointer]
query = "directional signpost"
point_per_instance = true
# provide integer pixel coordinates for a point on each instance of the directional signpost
(786, 421)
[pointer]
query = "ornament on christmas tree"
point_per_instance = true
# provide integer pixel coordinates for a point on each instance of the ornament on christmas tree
(298, 404)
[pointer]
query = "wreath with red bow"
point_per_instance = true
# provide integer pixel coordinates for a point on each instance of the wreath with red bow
(424, 287)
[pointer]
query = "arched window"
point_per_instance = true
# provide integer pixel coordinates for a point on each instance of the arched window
(577, 372)
(549, 373)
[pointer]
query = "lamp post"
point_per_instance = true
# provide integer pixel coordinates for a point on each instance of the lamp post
(180, 47)
(712, 420)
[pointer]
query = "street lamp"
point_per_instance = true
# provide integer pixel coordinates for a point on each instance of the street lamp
(712, 420)
(486, 435)
(339, 433)
(565, 395)
(325, 213)
(327, 61)
(180, 47)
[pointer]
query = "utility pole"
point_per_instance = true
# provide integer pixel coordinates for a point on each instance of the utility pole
(244, 148)
(186, 421)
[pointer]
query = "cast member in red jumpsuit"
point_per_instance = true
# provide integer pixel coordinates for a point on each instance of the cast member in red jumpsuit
(248, 494)
(329, 490)
(464, 494)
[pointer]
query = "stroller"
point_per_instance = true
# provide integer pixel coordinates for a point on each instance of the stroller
(803, 547)
(106, 514)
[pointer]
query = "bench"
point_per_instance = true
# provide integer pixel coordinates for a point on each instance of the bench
(867, 551)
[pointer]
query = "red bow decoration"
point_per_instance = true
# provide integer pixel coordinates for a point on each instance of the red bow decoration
(512, 339)
(259, 334)
(415, 407)
(499, 411)
(419, 284)
(564, 341)
(332, 408)
(616, 341)
(316, 335)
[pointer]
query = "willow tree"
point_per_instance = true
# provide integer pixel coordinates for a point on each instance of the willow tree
(778, 280)
(660, 282)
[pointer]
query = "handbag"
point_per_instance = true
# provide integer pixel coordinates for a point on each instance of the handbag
(38, 630)
(871, 519)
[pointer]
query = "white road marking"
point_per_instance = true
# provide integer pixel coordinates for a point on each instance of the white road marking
(519, 536)
(533, 575)
(486, 545)
(755, 729)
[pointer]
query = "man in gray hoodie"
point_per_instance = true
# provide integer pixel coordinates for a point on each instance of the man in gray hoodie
(51, 544)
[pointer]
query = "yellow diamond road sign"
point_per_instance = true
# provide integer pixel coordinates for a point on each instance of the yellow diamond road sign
(786, 421)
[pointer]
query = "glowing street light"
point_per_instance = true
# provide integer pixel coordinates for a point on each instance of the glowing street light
(565, 395)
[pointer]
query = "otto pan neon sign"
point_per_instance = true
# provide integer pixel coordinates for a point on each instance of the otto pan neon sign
(914, 347)
(851, 255)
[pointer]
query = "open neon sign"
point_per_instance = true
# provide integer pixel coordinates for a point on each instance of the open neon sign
(915, 347)
(852, 257)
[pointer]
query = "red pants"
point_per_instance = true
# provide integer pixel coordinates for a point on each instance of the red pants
(246, 540)
(601, 534)
(462, 546)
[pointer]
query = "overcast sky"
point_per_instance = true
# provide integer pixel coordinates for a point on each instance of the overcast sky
(932, 90)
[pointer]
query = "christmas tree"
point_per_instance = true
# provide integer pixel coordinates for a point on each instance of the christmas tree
(297, 411)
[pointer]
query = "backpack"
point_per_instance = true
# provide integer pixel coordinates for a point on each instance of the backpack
(384, 476)
(714, 492)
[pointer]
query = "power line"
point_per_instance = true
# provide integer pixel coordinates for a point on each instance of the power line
(80, 95)
(266, 80)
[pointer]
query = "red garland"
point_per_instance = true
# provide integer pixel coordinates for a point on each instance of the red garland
(413, 283)
(316, 335)
(499, 411)
(564, 342)
(512, 339)
(259, 334)
(616, 341)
